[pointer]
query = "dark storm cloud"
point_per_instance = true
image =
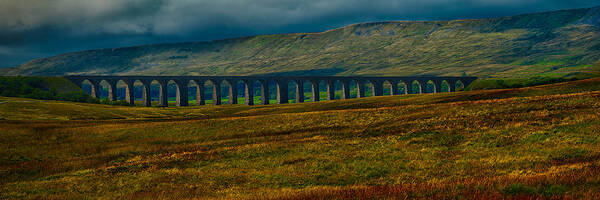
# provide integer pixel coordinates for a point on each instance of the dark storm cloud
(37, 28)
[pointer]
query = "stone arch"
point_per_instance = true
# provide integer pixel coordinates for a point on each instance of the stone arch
(322, 85)
(261, 91)
(198, 87)
(212, 91)
(315, 90)
(125, 90)
(430, 87)
(388, 87)
(346, 87)
(291, 90)
(402, 87)
(230, 90)
(249, 91)
(90, 86)
(369, 88)
(272, 92)
(337, 89)
(360, 88)
(239, 88)
(444, 86)
(108, 88)
(306, 90)
(298, 91)
(155, 91)
(173, 88)
(415, 87)
(142, 89)
(329, 89)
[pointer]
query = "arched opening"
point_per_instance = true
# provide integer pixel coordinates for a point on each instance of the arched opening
(104, 88)
(445, 86)
(139, 91)
(416, 87)
(402, 88)
(337, 85)
(173, 92)
(87, 86)
(460, 86)
(307, 90)
(209, 91)
(388, 89)
(291, 90)
(430, 87)
(239, 86)
(154, 93)
(256, 87)
(121, 90)
(352, 89)
(369, 89)
(272, 85)
(194, 92)
(224, 92)
(322, 90)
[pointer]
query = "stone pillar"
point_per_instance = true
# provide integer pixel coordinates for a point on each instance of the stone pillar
(232, 91)
(248, 92)
(452, 85)
(147, 98)
(164, 95)
(299, 91)
(315, 90)
(282, 91)
(95, 88)
(330, 89)
(112, 90)
(129, 97)
(181, 93)
(377, 88)
(394, 88)
(264, 92)
(216, 97)
(422, 87)
(200, 100)
(360, 89)
(345, 89)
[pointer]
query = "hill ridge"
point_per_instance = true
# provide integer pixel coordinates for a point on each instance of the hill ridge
(556, 42)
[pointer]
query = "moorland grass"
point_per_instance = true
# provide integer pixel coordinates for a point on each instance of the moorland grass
(536, 142)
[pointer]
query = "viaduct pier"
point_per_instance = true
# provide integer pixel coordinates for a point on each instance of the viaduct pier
(251, 83)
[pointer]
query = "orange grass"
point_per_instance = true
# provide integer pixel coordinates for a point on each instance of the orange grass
(528, 143)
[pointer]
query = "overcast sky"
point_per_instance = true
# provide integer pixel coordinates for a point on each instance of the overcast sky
(40, 28)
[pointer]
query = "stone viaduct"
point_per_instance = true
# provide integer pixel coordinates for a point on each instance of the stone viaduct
(281, 82)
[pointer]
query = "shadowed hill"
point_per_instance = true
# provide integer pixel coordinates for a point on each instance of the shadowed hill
(557, 43)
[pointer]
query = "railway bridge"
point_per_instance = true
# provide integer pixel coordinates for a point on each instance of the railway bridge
(282, 83)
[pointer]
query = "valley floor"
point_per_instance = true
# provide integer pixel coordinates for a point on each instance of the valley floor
(537, 142)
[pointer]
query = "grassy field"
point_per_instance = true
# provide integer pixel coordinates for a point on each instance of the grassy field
(534, 142)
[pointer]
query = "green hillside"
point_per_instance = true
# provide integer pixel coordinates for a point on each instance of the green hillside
(559, 43)
(529, 143)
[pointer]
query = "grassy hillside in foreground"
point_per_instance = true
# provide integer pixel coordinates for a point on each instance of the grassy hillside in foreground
(538, 142)
(557, 44)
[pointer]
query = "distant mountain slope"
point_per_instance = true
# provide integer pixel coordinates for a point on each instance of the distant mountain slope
(558, 42)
